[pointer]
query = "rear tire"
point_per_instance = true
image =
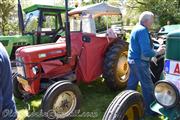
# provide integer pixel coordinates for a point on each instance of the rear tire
(61, 101)
(128, 105)
(116, 69)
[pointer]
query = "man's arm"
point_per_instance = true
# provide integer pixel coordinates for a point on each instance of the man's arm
(145, 45)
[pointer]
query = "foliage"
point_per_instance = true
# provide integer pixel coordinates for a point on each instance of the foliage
(32, 26)
(103, 22)
(165, 10)
(6, 10)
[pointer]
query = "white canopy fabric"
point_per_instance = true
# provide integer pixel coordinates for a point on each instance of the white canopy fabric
(97, 10)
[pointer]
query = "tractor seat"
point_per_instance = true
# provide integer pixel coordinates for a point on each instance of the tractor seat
(109, 33)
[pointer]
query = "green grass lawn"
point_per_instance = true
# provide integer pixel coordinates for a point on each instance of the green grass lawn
(96, 98)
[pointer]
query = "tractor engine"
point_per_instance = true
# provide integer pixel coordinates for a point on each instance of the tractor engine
(41, 62)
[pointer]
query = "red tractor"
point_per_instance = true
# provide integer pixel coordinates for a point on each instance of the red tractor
(81, 56)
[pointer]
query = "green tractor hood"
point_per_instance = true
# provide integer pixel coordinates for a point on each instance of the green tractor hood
(11, 43)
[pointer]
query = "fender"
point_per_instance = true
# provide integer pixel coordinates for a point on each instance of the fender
(171, 114)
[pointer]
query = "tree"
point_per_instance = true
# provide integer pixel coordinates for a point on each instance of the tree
(165, 10)
(6, 10)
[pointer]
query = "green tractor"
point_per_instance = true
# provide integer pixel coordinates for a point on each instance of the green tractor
(42, 24)
(128, 105)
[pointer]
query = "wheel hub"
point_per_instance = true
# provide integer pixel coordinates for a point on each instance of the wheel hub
(123, 67)
(132, 113)
(64, 104)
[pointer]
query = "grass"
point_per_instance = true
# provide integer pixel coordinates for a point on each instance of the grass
(96, 98)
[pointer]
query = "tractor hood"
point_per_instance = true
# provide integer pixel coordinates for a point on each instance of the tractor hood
(168, 28)
(39, 53)
(16, 40)
(173, 43)
(5, 40)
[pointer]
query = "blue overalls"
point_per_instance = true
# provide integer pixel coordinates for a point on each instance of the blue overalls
(7, 104)
(139, 55)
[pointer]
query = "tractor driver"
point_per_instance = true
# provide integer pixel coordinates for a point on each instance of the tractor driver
(139, 56)
(7, 104)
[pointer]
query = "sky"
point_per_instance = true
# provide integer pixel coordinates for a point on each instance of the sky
(44, 2)
(71, 3)
(51, 2)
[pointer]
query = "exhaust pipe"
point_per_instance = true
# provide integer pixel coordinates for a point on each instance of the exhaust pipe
(68, 36)
(20, 18)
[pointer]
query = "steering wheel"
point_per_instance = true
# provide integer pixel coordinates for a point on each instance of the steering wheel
(59, 31)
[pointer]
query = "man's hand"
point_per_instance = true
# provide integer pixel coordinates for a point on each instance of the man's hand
(161, 50)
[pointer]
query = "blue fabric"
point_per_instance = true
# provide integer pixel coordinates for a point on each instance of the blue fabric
(140, 44)
(140, 72)
(7, 104)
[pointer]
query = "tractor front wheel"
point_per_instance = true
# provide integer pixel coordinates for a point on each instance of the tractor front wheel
(17, 87)
(116, 69)
(128, 105)
(61, 101)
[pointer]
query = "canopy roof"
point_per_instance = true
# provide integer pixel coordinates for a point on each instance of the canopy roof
(38, 7)
(97, 10)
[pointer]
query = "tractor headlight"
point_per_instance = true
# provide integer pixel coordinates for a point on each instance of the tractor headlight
(166, 94)
(20, 67)
(35, 70)
(20, 70)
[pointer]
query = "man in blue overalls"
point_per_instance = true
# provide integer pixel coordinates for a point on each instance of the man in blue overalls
(139, 56)
(7, 104)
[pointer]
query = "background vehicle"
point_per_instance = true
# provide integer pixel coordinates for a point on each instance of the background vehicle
(166, 92)
(81, 56)
(41, 25)
(160, 39)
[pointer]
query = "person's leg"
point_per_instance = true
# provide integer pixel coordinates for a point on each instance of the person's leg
(132, 81)
(146, 85)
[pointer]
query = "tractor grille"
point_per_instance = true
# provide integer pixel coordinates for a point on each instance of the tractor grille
(19, 44)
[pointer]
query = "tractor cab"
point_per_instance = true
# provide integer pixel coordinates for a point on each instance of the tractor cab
(97, 19)
(44, 22)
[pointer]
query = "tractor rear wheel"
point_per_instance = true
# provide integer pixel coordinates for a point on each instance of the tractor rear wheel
(61, 101)
(116, 68)
(128, 105)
